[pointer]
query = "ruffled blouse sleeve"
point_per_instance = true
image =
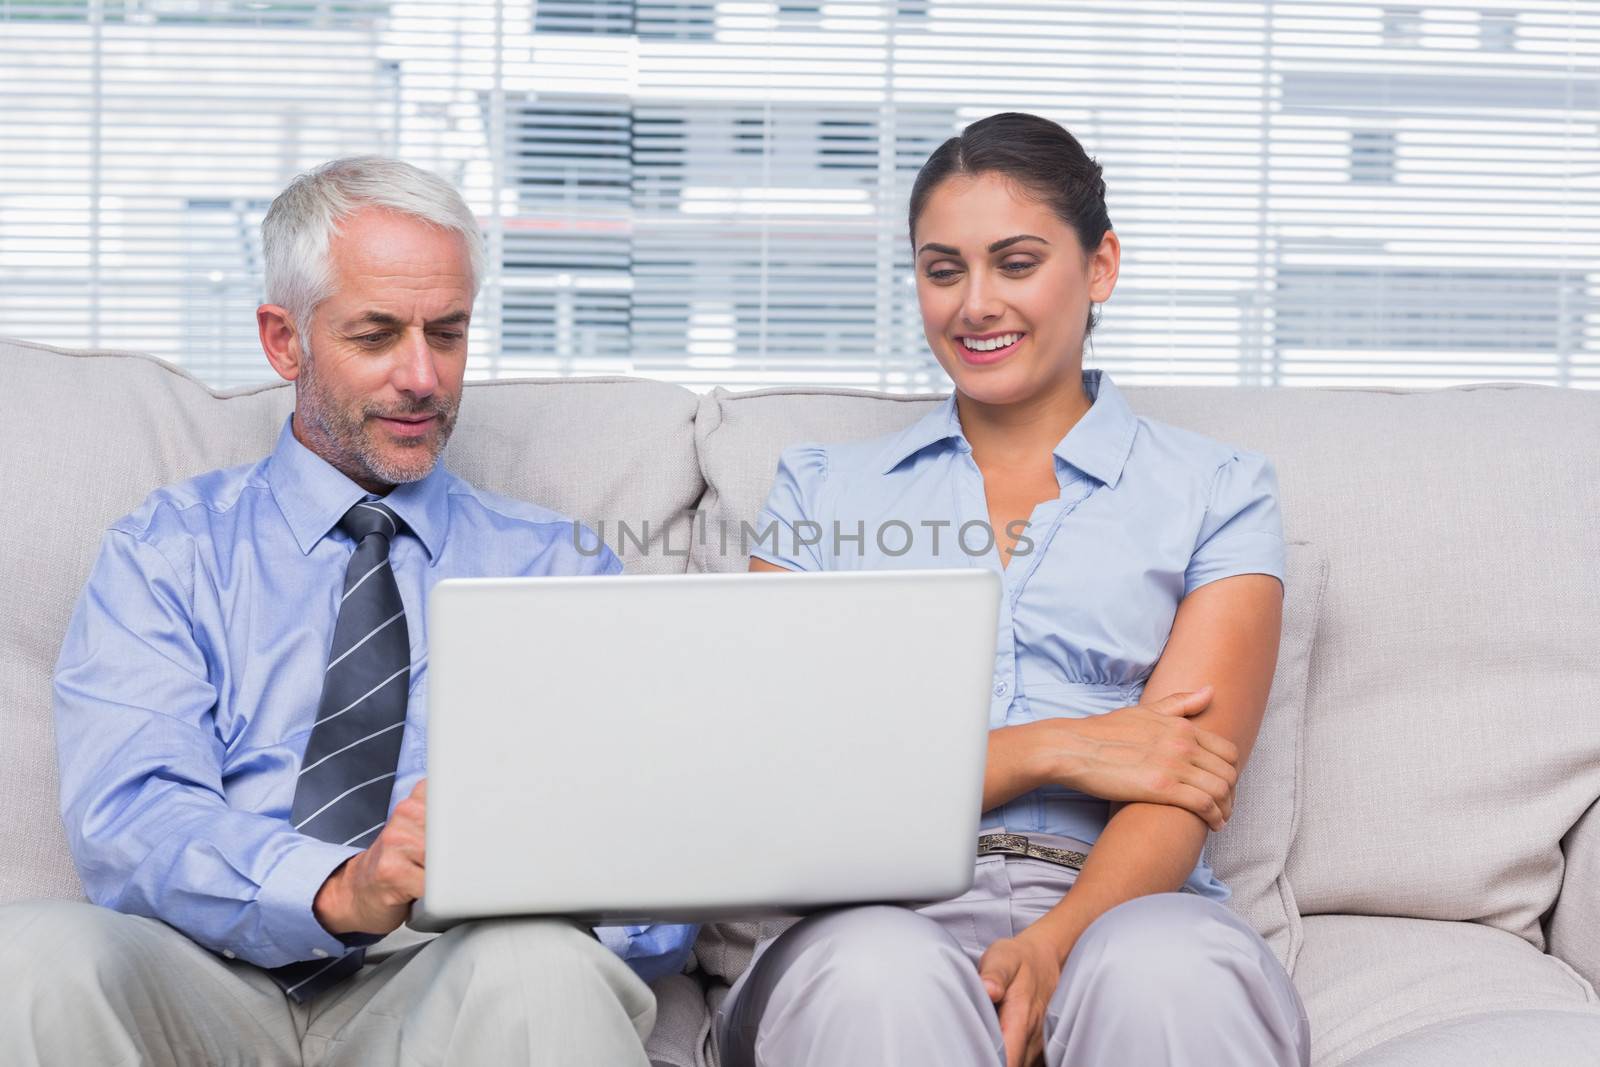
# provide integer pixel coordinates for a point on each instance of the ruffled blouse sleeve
(1242, 532)
(788, 530)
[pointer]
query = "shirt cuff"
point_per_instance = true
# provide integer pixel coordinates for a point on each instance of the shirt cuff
(286, 896)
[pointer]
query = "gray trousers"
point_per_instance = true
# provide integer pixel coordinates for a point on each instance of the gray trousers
(87, 985)
(1169, 979)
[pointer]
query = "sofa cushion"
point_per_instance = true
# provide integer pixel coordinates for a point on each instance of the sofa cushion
(1368, 979)
(1452, 737)
(739, 437)
(96, 431)
(1495, 1039)
(682, 1034)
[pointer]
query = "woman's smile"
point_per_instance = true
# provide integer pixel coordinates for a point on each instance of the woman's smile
(985, 349)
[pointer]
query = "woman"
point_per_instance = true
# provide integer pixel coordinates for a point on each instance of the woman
(1141, 563)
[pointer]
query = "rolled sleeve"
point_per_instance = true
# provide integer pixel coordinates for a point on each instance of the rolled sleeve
(788, 533)
(1242, 532)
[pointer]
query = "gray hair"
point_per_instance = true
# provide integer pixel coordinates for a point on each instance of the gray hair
(305, 216)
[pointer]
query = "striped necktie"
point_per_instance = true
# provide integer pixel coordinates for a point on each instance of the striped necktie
(351, 757)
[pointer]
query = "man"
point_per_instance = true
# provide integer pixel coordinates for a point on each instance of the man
(240, 710)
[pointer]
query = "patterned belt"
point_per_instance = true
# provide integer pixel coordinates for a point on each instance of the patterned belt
(1018, 845)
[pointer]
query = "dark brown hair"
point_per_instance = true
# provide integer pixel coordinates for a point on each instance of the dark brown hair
(1040, 156)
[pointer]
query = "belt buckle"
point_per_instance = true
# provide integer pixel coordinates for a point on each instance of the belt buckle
(1002, 845)
(1018, 845)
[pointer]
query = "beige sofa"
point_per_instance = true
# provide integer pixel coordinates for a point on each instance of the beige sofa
(1417, 833)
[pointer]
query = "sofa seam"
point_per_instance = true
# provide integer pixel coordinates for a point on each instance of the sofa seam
(144, 357)
(812, 390)
(1590, 994)
(1286, 891)
(1451, 1020)
(266, 386)
(714, 400)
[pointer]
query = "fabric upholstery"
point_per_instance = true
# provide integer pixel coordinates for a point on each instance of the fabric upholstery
(1251, 852)
(1574, 926)
(1494, 1039)
(682, 1035)
(1368, 979)
(1452, 738)
(94, 432)
(738, 437)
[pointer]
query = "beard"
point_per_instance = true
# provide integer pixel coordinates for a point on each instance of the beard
(346, 437)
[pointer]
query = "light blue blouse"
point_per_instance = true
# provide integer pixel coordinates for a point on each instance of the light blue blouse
(1147, 514)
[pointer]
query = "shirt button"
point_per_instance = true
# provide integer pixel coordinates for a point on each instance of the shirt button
(1000, 689)
(320, 953)
(227, 953)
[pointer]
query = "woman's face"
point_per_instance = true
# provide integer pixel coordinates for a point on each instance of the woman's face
(1005, 289)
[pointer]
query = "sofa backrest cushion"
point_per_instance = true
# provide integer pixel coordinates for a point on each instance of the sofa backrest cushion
(1452, 736)
(95, 432)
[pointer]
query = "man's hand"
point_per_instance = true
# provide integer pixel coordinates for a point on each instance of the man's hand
(372, 891)
(1020, 975)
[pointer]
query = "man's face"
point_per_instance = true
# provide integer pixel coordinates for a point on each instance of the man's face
(383, 357)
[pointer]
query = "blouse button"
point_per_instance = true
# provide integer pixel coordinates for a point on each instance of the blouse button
(1000, 689)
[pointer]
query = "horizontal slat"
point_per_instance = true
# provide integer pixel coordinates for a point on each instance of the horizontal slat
(714, 192)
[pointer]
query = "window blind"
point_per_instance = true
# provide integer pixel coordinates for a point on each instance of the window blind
(713, 192)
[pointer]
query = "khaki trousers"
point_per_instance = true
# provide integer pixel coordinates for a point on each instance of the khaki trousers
(1160, 981)
(89, 986)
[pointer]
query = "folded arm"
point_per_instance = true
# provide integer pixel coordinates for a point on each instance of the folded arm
(1149, 752)
(1225, 635)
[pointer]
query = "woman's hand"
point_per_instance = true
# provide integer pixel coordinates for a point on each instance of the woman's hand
(1020, 975)
(1149, 752)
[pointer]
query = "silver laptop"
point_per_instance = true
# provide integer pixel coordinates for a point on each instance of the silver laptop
(660, 748)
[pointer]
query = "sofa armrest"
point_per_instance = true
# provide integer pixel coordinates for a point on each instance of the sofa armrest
(1574, 930)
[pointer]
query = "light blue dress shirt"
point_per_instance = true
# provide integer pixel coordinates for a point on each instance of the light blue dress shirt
(190, 676)
(1147, 514)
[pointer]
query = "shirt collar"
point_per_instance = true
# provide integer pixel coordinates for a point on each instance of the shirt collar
(940, 424)
(313, 495)
(1100, 442)
(1098, 445)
